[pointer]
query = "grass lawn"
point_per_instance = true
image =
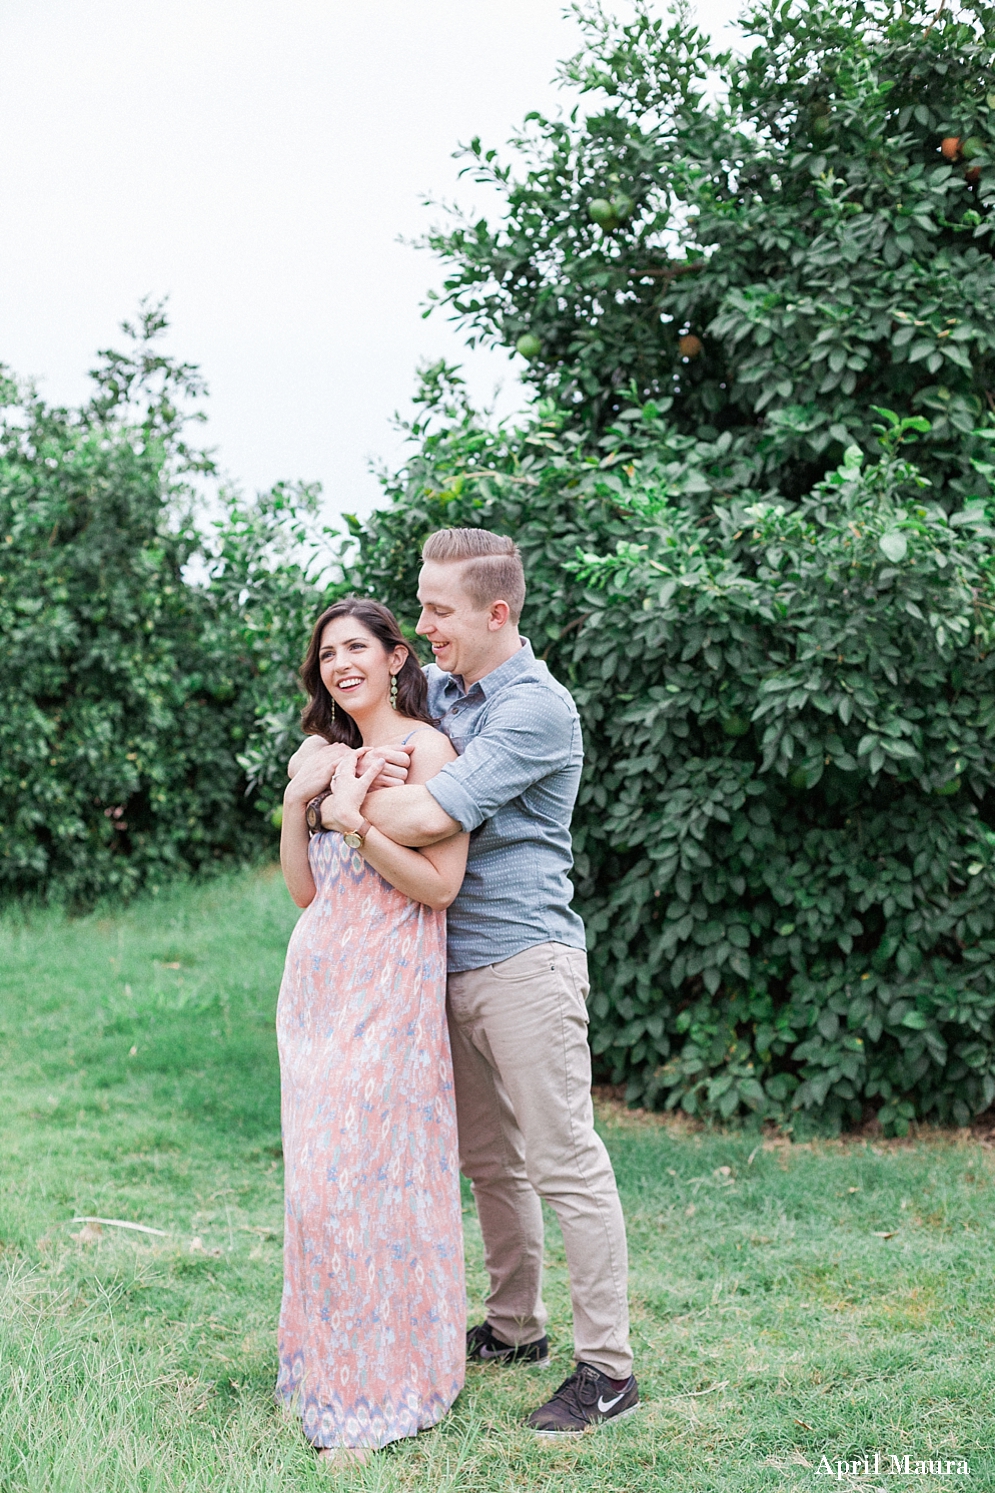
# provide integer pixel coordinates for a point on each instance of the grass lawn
(789, 1302)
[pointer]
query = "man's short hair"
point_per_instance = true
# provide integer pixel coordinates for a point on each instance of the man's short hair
(492, 566)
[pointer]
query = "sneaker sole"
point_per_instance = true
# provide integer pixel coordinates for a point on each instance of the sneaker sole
(596, 1425)
(510, 1363)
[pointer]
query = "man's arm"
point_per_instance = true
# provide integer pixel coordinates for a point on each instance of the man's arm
(529, 733)
(410, 816)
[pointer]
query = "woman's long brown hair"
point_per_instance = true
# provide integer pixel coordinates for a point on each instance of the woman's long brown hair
(412, 690)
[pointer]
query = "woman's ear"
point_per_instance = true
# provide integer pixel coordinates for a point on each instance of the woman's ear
(398, 658)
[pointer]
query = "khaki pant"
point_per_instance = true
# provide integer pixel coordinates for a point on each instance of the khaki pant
(526, 1131)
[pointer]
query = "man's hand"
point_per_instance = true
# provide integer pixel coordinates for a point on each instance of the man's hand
(396, 762)
(310, 747)
(314, 773)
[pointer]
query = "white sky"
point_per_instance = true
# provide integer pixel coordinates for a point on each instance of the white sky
(257, 161)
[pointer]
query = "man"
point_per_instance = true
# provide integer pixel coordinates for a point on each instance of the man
(518, 975)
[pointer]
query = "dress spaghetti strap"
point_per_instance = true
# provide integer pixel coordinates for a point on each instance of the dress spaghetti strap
(415, 733)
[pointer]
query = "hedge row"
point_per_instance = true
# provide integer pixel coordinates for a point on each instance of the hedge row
(785, 854)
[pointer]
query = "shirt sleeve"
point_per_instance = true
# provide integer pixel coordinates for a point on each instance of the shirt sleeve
(527, 735)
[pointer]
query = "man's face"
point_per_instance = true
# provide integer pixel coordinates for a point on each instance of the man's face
(463, 639)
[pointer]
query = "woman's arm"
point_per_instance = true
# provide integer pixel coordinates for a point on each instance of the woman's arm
(313, 776)
(432, 876)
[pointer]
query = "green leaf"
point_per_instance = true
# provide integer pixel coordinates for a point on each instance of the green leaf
(894, 546)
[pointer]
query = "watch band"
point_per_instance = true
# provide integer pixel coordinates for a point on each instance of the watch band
(312, 814)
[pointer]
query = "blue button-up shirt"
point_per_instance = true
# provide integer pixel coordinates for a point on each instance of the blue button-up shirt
(513, 786)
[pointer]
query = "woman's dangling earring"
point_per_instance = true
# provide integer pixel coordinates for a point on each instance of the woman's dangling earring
(333, 707)
(393, 691)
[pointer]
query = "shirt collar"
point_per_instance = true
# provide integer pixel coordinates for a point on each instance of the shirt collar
(493, 681)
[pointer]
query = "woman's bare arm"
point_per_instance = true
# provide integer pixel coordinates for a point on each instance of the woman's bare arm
(313, 776)
(432, 876)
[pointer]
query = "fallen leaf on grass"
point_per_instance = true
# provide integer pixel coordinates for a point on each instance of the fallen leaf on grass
(689, 1211)
(722, 1171)
(804, 1425)
(88, 1233)
(197, 1248)
(884, 1233)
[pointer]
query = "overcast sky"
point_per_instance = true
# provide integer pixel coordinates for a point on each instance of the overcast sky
(257, 161)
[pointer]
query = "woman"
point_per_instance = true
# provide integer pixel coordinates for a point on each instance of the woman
(372, 1326)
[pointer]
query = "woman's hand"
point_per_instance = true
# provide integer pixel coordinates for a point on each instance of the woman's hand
(343, 809)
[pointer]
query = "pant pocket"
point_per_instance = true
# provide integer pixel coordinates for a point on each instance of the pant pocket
(530, 964)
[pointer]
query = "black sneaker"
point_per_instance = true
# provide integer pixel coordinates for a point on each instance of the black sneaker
(483, 1347)
(586, 1399)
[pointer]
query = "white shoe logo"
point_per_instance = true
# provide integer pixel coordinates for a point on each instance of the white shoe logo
(486, 1352)
(605, 1405)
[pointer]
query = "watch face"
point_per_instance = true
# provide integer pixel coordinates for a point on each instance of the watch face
(353, 840)
(313, 817)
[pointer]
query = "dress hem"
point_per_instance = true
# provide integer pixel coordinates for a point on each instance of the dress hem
(430, 1418)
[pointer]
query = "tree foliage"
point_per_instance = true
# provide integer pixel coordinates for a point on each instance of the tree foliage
(754, 496)
(138, 652)
(741, 301)
(765, 246)
(784, 848)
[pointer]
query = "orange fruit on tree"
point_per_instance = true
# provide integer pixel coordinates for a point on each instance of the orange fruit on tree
(690, 346)
(950, 147)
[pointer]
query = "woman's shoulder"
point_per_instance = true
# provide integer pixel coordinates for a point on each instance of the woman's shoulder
(422, 737)
(430, 746)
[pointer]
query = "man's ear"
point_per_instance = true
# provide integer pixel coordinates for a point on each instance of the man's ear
(498, 615)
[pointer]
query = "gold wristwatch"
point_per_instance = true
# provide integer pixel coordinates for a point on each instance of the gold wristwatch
(355, 837)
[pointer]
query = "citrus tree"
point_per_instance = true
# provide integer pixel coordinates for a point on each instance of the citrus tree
(768, 264)
(140, 650)
(754, 500)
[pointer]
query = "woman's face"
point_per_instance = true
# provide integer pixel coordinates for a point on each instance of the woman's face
(354, 665)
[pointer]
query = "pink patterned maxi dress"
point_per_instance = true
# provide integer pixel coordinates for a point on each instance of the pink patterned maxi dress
(372, 1325)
